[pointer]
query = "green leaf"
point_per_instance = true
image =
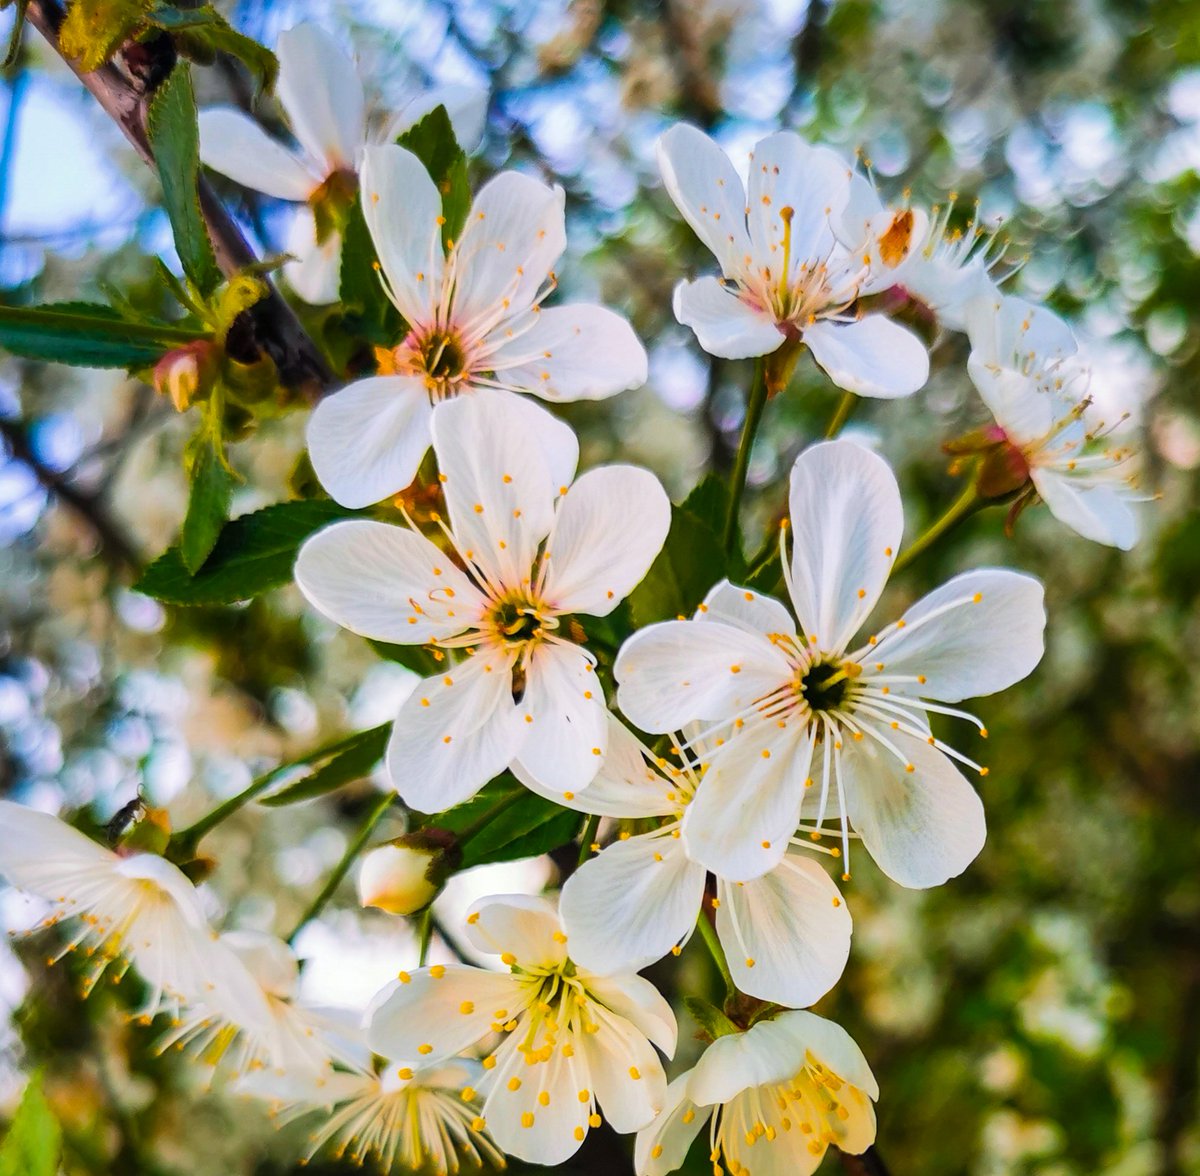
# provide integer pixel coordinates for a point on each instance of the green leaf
(175, 138)
(88, 334)
(714, 1022)
(204, 31)
(527, 827)
(353, 759)
(432, 141)
(692, 560)
(208, 499)
(417, 658)
(369, 311)
(33, 1145)
(252, 555)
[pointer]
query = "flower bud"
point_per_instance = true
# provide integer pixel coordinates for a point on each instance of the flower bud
(183, 373)
(405, 875)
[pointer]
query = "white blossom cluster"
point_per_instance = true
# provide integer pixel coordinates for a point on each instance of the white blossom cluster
(746, 748)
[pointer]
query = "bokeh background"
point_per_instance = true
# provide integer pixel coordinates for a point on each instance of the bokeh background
(1040, 1014)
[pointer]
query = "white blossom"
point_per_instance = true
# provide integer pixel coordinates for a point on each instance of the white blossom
(775, 1098)
(786, 275)
(573, 1045)
(476, 327)
(821, 731)
(322, 97)
(1022, 363)
(525, 550)
(786, 934)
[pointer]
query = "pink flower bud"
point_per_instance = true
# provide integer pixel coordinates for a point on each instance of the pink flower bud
(181, 373)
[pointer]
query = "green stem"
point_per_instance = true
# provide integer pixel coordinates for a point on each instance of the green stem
(709, 935)
(425, 929)
(965, 505)
(378, 810)
(186, 840)
(737, 482)
(589, 837)
(844, 411)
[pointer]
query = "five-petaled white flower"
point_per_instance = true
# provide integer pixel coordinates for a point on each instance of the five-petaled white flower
(525, 550)
(1022, 364)
(138, 908)
(817, 730)
(786, 934)
(775, 1097)
(787, 276)
(397, 1114)
(572, 1044)
(475, 326)
(322, 97)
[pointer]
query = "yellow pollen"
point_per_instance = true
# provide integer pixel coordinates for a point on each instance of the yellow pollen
(910, 767)
(544, 1098)
(579, 1134)
(468, 1094)
(478, 1124)
(473, 918)
(766, 753)
(527, 1119)
(437, 971)
(749, 962)
(594, 1120)
(467, 1008)
(514, 1084)
(634, 1073)
(404, 978)
(508, 958)
(425, 1048)
(404, 1073)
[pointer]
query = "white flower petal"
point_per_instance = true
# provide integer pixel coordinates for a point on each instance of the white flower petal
(746, 609)
(367, 440)
(677, 672)
(454, 734)
(36, 850)
(234, 144)
(515, 232)
(846, 519)
(466, 106)
(608, 529)
(625, 785)
(553, 439)
(498, 489)
(321, 94)
(663, 1146)
(989, 636)
(795, 926)
(627, 1077)
(1010, 332)
(759, 776)
(708, 192)
(542, 1120)
(385, 582)
(1025, 413)
(402, 207)
(921, 827)
(316, 273)
(630, 905)
(725, 325)
(563, 716)
(872, 356)
(427, 1010)
(640, 1003)
(574, 352)
(1099, 513)
(523, 925)
(759, 1057)
(814, 182)
(831, 1045)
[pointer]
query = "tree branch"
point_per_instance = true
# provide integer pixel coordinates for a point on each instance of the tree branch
(870, 1163)
(112, 539)
(124, 94)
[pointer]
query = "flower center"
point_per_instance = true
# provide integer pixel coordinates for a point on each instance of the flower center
(443, 358)
(825, 686)
(518, 621)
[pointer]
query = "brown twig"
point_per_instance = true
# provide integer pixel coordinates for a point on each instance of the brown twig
(870, 1163)
(124, 94)
(112, 539)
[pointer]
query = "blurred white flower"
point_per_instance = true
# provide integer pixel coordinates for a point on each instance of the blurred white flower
(572, 1041)
(526, 689)
(778, 1096)
(475, 325)
(786, 934)
(322, 97)
(787, 277)
(1021, 363)
(806, 730)
(136, 908)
